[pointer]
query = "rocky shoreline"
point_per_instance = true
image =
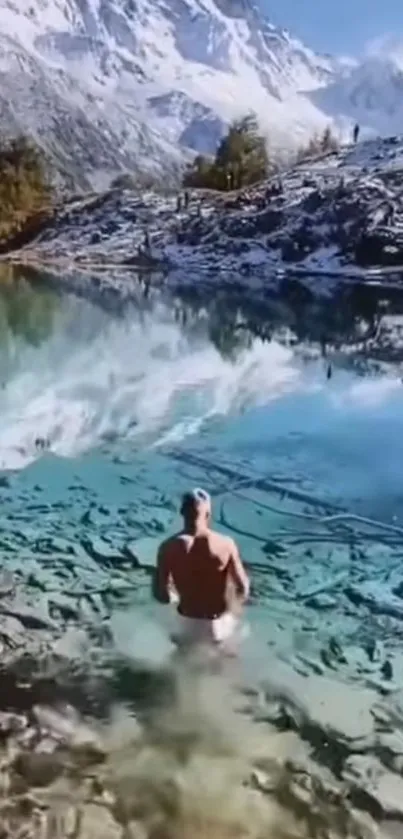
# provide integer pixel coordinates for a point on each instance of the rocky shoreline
(338, 215)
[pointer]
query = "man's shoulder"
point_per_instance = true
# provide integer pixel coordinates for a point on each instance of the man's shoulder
(222, 540)
(170, 543)
(164, 546)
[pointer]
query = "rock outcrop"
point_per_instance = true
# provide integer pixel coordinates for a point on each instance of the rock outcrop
(340, 214)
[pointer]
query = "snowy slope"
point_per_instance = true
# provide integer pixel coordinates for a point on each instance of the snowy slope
(371, 94)
(339, 214)
(107, 85)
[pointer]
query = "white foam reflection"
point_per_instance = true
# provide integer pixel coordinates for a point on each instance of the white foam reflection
(131, 379)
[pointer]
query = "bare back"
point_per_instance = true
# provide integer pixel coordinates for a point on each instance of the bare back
(202, 569)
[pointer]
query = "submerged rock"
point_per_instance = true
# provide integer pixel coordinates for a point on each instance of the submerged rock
(321, 601)
(102, 551)
(39, 768)
(378, 597)
(374, 788)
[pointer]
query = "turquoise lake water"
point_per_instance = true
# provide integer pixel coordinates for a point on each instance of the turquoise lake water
(107, 417)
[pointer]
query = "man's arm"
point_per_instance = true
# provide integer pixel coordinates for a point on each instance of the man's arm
(161, 576)
(238, 573)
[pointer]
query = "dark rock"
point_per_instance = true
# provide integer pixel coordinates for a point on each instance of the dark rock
(374, 650)
(29, 618)
(374, 789)
(34, 582)
(378, 598)
(337, 650)
(387, 670)
(269, 221)
(314, 201)
(40, 769)
(398, 590)
(321, 601)
(376, 248)
(60, 608)
(102, 551)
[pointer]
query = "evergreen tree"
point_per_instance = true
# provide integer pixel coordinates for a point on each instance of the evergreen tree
(241, 159)
(242, 153)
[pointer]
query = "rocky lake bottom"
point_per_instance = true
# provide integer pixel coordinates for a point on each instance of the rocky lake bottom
(289, 413)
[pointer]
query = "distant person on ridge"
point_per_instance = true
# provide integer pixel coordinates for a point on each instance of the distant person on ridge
(356, 132)
(205, 570)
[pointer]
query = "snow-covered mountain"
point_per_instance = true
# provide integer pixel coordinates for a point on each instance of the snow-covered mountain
(107, 85)
(371, 94)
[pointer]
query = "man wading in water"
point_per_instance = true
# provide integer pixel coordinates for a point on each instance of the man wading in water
(205, 570)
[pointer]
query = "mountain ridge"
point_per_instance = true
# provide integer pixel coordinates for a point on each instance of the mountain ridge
(110, 85)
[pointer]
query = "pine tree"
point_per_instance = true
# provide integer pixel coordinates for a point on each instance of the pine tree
(241, 159)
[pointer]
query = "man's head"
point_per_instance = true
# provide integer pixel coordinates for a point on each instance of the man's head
(196, 506)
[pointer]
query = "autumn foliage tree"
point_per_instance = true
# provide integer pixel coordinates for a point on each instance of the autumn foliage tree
(24, 184)
(241, 159)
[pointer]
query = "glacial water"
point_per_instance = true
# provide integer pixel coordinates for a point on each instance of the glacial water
(106, 418)
(109, 412)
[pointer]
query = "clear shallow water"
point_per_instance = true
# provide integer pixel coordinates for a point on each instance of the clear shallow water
(107, 418)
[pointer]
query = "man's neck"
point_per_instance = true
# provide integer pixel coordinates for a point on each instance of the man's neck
(195, 528)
